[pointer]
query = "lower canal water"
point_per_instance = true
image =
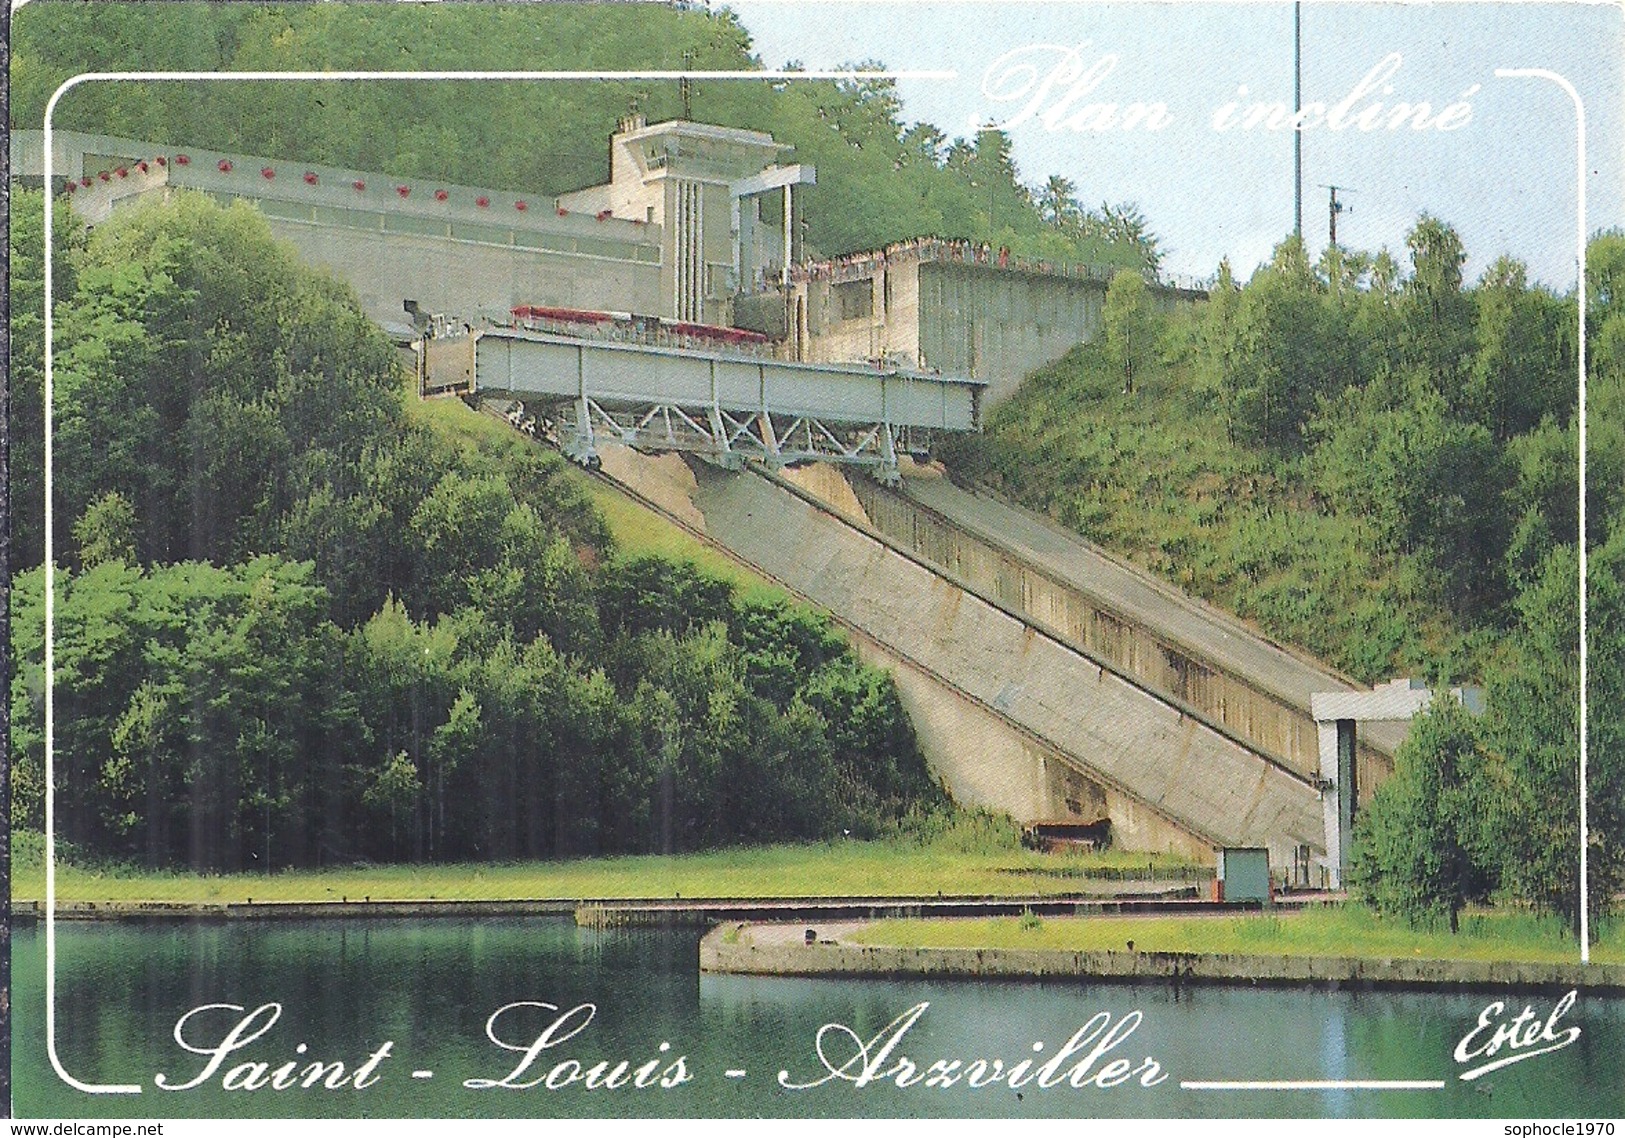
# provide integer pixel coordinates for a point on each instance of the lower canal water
(441, 1018)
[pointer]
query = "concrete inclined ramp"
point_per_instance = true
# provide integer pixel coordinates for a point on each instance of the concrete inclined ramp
(1158, 607)
(1205, 784)
(1152, 604)
(1200, 658)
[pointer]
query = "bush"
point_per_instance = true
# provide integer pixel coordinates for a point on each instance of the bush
(1424, 846)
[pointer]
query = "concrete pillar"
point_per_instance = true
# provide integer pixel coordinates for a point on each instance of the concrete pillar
(1338, 795)
(1331, 806)
(788, 233)
(1347, 793)
(737, 214)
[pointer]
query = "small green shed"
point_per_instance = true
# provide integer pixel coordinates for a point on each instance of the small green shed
(1244, 874)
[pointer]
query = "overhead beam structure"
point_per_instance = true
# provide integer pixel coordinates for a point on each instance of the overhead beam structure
(727, 407)
(774, 178)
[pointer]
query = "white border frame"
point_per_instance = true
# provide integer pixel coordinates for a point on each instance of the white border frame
(1580, 229)
(765, 75)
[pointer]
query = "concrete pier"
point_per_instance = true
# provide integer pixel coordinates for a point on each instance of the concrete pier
(781, 950)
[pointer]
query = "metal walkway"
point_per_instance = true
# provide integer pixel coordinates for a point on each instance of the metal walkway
(728, 407)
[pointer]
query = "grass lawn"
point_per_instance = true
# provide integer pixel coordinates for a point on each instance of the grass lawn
(1347, 930)
(886, 868)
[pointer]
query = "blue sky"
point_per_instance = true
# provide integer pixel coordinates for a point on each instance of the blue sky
(1505, 178)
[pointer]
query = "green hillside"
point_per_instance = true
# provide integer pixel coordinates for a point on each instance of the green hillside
(879, 180)
(1363, 478)
(1151, 475)
(1379, 466)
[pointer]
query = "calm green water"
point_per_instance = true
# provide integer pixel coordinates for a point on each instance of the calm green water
(428, 988)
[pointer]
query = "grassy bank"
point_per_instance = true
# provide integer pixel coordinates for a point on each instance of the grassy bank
(1347, 930)
(964, 861)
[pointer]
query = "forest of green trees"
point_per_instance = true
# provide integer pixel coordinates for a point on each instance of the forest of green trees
(294, 628)
(1379, 461)
(879, 180)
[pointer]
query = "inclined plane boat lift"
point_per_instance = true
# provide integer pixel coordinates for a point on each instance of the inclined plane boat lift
(691, 392)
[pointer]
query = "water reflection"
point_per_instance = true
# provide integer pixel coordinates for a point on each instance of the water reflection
(429, 988)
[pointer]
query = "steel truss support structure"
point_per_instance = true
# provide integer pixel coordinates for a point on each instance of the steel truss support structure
(728, 439)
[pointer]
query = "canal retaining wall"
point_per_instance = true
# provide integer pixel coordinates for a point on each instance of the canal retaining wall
(733, 948)
(1090, 898)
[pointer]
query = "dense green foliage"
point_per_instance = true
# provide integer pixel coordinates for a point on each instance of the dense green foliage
(1487, 415)
(1128, 325)
(26, 327)
(879, 180)
(1419, 836)
(1370, 464)
(1381, 467)
(1477, 807)
(295, 628)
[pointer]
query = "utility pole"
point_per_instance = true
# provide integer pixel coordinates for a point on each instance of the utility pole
(685, 89)
(1297, 111)
(1336, 207)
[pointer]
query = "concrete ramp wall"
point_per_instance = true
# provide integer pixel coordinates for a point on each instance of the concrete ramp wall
(1172, 643)
(1010, 717)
